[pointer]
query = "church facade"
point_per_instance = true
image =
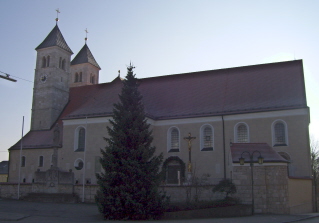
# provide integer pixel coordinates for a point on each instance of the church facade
(251, 105)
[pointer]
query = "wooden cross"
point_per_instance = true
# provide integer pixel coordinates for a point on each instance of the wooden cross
(189, 140)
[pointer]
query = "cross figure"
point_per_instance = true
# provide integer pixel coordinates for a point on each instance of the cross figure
(86, 34)
(189, 140)
(57, 15)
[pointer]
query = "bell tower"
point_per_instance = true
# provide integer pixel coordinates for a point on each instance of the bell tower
(84, 68)
(51, 80)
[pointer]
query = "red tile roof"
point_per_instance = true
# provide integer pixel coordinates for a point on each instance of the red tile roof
(257, 88)
(268, 153)
(36, 140)
(265, 87)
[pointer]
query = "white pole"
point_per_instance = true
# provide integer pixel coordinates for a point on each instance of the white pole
(20, 159)
(84, 164)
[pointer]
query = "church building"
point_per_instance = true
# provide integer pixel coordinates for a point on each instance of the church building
(228, 113)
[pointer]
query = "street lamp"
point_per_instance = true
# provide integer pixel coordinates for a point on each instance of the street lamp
(242, 162)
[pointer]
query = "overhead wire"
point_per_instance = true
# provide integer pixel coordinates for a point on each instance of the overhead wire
(15, 76)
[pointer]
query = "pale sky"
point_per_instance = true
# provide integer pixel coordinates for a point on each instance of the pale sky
(160, 37)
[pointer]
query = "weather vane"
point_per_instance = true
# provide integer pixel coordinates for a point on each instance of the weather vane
(57, 15)
(86, 34)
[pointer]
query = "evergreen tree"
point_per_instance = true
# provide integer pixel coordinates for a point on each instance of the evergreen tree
(130, 177)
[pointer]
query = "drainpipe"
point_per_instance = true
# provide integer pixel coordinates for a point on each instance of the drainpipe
(224, 147)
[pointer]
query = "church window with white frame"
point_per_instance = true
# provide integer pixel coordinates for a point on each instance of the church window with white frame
(173, 141)
(79, 140)
(207, 138)
(241, 133)
(279, 133)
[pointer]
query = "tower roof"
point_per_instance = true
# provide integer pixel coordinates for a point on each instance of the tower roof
(85, 56)
(55, 38)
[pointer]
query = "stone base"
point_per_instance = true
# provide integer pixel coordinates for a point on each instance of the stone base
(52, 198)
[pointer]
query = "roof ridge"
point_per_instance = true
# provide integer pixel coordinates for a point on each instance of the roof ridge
(222, 69)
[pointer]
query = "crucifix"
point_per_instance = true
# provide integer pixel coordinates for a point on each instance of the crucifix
(189, 140)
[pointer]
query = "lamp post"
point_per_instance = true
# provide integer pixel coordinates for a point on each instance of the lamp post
(251, 161)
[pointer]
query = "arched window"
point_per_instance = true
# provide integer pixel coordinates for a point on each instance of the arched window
(207, 138)
(173, 140)
(241, 133)
(79, 142)
(173, 173)
(80, 77)
(60, 62)
(48, 61)
(174, 168)
(76, 78)
(279, 132)
(23, 161)
(40, 161)
(63, 64)
(78, 164)
(92, 79)
(44, 62)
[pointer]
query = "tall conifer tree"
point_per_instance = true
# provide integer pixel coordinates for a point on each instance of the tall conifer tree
(130, 177)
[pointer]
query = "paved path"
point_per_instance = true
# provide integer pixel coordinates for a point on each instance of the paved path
(27, 212)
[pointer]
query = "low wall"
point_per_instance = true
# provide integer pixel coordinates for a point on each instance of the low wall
(190, 193)
(273, 191)
(89, 192)
(231, 211)
(270, 187)
(176, 193)
(10, 190)
(300, 195)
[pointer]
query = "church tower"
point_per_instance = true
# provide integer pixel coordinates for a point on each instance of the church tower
(51, 80)
(84, 68)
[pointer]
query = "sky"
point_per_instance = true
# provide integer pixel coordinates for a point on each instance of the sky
(160, 37)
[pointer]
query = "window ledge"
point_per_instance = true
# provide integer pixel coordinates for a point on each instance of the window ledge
(207, 149)
(173, 150)
(79, 150)
(284, 144)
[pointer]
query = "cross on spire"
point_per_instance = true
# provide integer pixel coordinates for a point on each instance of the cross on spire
(57, 15)
(86, 34)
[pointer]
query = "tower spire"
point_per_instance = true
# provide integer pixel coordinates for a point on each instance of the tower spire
(86, 35)
(57, 15)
